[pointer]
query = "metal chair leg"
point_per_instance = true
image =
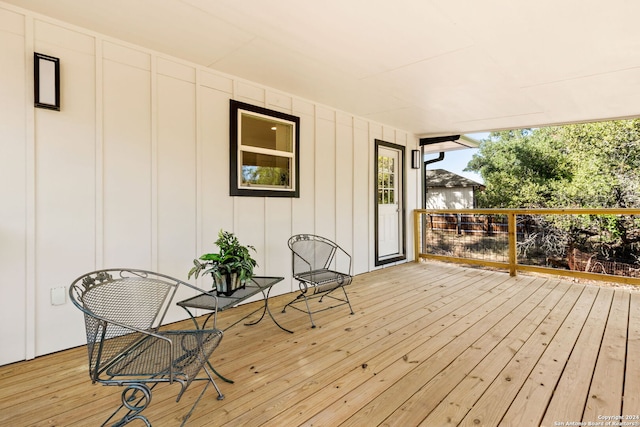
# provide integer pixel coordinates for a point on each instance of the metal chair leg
(220, 395)
(313, 325)
(347, 298)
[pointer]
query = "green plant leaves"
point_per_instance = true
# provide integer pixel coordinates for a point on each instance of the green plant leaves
(232, 257)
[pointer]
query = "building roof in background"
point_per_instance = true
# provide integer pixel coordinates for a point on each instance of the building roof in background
(445, 178)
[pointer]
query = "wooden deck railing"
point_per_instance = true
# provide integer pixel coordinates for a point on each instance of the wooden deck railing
(496, 237)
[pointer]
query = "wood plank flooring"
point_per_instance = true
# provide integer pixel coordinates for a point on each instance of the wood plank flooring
(430, 344)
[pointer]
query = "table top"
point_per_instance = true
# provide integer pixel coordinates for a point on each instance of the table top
(208, 301)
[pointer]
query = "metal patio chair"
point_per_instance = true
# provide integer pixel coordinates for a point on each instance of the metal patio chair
(123, 311)
(321, 267)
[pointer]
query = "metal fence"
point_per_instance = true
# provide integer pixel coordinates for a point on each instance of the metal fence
(568, 242)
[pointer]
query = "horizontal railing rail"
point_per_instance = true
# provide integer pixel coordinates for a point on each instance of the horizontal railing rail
(533, 240)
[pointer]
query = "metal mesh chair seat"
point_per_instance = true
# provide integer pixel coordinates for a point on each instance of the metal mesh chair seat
(124, 311)
(321, 267)
(177, 354)
(323, 280)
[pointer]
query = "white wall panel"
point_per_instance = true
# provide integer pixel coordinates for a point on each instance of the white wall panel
(65, 185)
(303, 208)
(277, 255)
(12, 23)
(362, 195)
(401, 139)
(215, 81)
(249, 93)
(217, 208)
(54, 36)
(126, 55)
(344, 182)
(325, 173)
(279, 102)
(176, 70)
(176, 175)
(413, 188)
(250, 227)
(13, 173)
(375, 132)
(389, 135)
(126, 164)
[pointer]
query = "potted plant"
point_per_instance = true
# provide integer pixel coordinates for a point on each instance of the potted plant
(230, 268)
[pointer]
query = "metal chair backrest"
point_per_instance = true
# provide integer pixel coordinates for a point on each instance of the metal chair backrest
(320, 266)
(115, 303)
(311, 253)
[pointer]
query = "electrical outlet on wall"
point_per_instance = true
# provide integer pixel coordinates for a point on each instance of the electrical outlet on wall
(58, 296)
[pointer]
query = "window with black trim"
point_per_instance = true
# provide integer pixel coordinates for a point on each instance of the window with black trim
(264, 152)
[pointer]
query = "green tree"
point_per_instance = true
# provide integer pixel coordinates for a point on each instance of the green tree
(605, 160)
(522, 168)
(591, 165)
(583, 165)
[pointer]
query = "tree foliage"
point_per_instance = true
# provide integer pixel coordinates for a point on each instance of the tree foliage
(594, 165)
(591, 165)
(520, 168)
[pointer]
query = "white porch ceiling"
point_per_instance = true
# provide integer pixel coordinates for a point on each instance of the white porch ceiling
(431, 67)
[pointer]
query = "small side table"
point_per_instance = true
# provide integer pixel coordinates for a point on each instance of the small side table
(257, 284)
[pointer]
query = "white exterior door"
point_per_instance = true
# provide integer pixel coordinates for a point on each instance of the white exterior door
(388, 203)
(390, 172)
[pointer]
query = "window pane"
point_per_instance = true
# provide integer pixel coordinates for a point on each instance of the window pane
(266, 170)
(266, 133)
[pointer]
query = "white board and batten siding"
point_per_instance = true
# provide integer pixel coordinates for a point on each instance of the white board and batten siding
(133, 172)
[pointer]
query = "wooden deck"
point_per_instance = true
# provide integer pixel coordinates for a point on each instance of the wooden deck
(431, 344)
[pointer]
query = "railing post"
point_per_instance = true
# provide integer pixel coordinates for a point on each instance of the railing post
(511, 229)
(416, 235)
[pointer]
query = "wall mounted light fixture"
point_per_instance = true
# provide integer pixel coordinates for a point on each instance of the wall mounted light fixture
(46, 77)
(416, 162)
